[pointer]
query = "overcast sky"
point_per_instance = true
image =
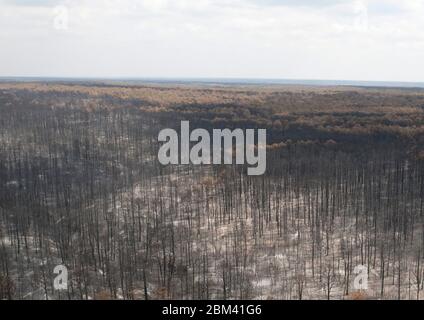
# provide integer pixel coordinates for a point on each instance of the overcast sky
(290, 39)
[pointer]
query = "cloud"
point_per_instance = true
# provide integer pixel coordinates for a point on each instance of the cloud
(357, 39)
(31, 3)
(298, 3)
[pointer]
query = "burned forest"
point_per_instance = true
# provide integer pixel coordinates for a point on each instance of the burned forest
(81, 186)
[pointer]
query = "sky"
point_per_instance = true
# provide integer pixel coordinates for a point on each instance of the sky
(274, 39)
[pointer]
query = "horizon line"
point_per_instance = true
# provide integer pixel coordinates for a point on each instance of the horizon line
(227, 80)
